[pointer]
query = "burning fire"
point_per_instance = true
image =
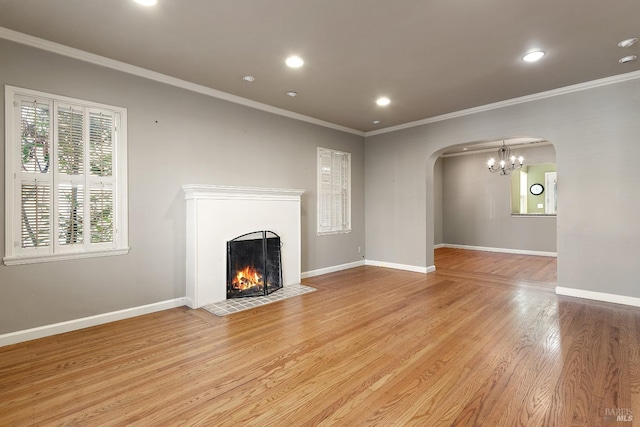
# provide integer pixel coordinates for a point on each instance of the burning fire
(247, 278)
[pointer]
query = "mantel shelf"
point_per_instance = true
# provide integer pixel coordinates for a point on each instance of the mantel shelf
(221, 192)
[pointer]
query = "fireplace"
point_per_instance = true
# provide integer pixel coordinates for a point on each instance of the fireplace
(253, 265)
(216, 214)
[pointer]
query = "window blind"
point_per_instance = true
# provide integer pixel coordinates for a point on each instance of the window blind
(334, 197)
(70, 214)
(66, 193)
(36, 210)
(101, 143)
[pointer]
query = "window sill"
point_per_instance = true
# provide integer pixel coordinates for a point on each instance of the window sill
(326, 233)
(534, 215)
(33, 259)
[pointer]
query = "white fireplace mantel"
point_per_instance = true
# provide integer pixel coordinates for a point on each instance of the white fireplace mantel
(217, 214)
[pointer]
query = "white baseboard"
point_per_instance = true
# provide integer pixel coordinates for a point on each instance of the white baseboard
(406, 267)
(503, 250)
(598, 296)
(85, 322)
(321, 271)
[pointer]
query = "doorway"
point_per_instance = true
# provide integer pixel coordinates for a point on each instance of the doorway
(475, 210)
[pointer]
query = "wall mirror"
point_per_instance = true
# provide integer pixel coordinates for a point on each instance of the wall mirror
(534, 190)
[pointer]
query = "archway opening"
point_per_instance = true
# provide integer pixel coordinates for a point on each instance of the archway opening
(510, 213)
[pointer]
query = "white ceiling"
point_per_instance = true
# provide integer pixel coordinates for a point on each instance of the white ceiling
(430, 57)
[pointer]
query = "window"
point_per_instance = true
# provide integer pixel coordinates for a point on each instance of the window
(334, 191)
(66, 193)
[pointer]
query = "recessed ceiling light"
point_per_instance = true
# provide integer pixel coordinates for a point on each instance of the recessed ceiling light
(383, 101)
(376, 122)
(628, 42)
(249, 79)
(294, 61)
(147, 2)
(292, 93)
(626, 59)
(534, 56)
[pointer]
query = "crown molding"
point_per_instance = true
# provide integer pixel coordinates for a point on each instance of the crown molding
(102, 61)
(514, 101)
(81, 55)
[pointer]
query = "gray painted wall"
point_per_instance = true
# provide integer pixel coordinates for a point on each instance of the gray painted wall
(477, 204)
(596, 136)
(175, 137)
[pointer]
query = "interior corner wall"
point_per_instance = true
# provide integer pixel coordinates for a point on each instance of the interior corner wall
(175, 137)
(477, 205)
(595, 133)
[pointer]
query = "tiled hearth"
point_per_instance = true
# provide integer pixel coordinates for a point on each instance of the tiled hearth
(236, 305)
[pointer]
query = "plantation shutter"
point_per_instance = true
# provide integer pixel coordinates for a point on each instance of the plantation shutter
(66, 176)
(101, 208)
(70, 214)
(36, 214)
(336, 191)
(345, 203)
(333, 191)
(70, 141)
(35, 172)
(70, 171)
(324, 212)
(101, 143)
(101, 198)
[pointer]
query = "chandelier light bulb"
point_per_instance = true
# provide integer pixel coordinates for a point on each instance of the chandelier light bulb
(507, 161)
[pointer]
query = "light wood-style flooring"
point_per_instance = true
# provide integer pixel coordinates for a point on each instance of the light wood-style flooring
(483, 341)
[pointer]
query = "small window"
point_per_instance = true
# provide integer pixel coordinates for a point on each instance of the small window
(66, 192)
(334, 191)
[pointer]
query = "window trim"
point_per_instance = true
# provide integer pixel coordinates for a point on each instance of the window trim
(12, 255)
(349, 228)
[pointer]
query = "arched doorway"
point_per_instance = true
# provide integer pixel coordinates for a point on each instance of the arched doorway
(475, 210)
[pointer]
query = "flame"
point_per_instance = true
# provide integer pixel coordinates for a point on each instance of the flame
(247, 278)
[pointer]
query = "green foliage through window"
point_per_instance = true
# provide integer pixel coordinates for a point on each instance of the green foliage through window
(35, 126)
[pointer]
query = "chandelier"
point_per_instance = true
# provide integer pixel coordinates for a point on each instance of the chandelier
(507, 162)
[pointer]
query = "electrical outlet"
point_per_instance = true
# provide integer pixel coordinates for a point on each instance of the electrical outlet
(359, 250)
(540, 205)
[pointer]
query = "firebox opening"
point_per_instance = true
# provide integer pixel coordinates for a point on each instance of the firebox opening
(253, 264)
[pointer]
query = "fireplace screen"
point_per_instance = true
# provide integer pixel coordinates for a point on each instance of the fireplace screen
(253, 265)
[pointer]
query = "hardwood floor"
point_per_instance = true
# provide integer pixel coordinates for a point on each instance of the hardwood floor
(464, 346)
